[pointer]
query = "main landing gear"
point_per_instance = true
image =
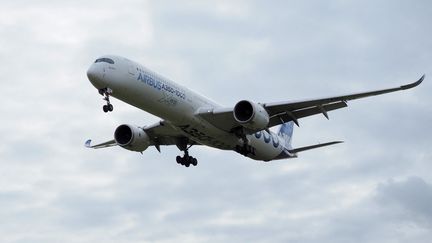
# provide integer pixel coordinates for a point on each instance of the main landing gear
(187, 160)
(106, 92)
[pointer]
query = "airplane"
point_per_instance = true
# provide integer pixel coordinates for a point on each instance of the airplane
(190, 119)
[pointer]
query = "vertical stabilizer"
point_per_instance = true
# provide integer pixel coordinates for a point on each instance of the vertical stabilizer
(286, 133)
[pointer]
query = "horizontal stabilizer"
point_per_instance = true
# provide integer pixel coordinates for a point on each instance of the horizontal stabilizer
(296, 150)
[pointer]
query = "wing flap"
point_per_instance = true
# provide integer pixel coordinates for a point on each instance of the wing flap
(287, 116)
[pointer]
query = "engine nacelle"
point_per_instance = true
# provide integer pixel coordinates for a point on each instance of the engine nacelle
(131, 138)
(251, 116)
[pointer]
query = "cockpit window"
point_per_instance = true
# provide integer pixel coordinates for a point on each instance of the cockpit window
(104, 59)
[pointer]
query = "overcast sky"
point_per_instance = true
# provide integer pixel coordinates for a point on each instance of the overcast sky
(376, 187)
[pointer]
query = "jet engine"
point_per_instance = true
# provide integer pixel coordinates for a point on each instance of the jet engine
(131, 138)
(251, 116)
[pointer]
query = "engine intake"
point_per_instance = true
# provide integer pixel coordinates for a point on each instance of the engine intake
(251, 115)
(131, 138)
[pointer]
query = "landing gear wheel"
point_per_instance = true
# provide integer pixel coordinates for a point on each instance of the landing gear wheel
(187, 160)
(106, 92)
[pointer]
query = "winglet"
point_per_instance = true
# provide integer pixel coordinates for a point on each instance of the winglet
(88, 143)
(412, 85)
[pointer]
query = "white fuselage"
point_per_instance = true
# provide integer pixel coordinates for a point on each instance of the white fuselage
(177, 105)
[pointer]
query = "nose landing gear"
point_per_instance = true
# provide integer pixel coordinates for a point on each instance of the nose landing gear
(108, 108)
(106, 92)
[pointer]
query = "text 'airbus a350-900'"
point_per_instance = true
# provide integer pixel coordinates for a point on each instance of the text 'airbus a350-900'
(191, 119)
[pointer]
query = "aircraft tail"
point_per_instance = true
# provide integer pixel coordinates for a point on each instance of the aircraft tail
(286, 133)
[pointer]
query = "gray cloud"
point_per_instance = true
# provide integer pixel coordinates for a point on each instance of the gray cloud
(412, 196)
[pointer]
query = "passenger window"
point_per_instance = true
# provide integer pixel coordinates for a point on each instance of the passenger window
(104, 59)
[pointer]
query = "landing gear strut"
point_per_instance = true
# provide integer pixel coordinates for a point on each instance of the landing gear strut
(245, 149)
(106, 92)
(187, 160)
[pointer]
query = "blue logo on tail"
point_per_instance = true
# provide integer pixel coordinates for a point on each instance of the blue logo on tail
(286, 132)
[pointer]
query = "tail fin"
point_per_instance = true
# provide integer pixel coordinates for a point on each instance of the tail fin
(286, 133)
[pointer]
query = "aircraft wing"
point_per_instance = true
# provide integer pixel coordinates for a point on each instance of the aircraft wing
(160, 133)
(163, 133)
(101, 145)
(282, 112)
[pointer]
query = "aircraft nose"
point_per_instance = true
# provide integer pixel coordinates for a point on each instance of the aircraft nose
(94, 75)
